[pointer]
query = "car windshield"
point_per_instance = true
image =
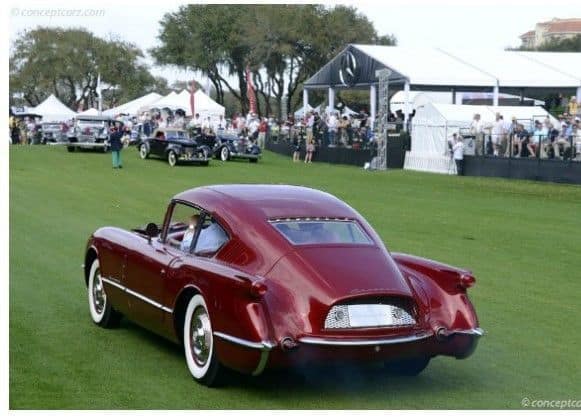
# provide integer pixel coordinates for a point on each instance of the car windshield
(303, 232)
(91, 124)
(176, 135)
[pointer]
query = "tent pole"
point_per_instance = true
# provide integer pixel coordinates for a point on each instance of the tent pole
(495, 94)
(372, 104)
(406, 108)
(522, 96)
(578, 95)
(331, 100)
(305, 101)
(453, 95)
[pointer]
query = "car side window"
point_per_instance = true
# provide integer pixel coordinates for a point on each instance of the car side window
(211, 237)
(183, 226)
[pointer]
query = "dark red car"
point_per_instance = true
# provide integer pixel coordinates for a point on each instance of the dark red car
(250, 277)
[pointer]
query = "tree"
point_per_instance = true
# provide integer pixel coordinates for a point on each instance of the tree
(281, 44)
(67, 63)
(571, 44)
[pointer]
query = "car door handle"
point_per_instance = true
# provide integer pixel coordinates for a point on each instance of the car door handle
(162, 271)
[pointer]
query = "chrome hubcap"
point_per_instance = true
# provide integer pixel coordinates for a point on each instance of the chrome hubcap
(99, 297)
(200, 336)
(224, 154)
(172, 159)
(143, 151)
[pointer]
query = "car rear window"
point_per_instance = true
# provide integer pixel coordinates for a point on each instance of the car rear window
(304, 232)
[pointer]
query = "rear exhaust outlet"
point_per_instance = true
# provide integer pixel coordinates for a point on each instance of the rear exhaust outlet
(288, 344)
(442, 334)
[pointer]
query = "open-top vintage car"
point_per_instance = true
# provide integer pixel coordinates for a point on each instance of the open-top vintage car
(175, 146)
(250, 277)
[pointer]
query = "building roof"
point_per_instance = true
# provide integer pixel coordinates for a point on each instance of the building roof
(564, 26)
(528, 34)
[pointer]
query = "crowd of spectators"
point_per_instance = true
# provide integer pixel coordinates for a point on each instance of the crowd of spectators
(541, 138)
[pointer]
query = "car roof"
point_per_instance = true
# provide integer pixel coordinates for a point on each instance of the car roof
(267, 201)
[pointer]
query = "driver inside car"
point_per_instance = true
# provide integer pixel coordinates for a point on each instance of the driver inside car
(190, 233)
(211, 238)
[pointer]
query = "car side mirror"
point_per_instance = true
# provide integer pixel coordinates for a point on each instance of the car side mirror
(151, 230)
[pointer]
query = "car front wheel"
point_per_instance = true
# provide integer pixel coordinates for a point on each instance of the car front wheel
(102, 313)
(225, 154)
(199, 343)
(143, 151)
(172, 158)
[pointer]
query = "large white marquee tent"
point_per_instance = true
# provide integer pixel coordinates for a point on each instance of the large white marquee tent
(431, 69)
(53, 110)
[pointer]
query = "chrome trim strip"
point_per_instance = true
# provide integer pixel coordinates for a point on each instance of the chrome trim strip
(364, 342)
(137, 295)
(263, 346)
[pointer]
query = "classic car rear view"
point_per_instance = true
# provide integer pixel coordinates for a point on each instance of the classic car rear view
(255, 277)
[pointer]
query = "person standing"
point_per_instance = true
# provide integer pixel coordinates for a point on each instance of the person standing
(477, 129)
(116, 144)
(310, 151)
(458, 152)
(262, 128)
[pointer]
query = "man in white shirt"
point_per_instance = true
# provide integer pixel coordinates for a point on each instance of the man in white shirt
(458, 153)
(498, 133)
(477, 129)
(332, 125)
(220, 125)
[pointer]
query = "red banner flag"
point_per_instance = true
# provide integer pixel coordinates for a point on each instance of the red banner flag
(250, 91)
(192, 99)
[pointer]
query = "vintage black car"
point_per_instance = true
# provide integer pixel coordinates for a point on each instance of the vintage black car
(90, 132)
(175, 146)
(230, 145)
(53, 133)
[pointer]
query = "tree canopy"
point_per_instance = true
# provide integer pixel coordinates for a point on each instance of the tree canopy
(67, 62)
(281, 44)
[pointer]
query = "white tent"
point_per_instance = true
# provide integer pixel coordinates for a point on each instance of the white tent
(133, 107)
(53, 110)
(435, 123)
(89, 112)
(204, 105)
(301, 112)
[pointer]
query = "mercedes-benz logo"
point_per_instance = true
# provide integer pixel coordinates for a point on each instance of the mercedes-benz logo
(349, 71)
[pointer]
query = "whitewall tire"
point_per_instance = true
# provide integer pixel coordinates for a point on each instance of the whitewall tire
(102, 313)
(199, 343)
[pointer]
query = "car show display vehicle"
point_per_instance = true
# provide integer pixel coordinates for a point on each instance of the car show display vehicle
(90, 132)
(53, 133)
(229, 146)
(175, 146)
(255, 277)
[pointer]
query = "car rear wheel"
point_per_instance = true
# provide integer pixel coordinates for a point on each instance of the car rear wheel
(143, 151)
(102, 313)
(172, 158)
(224, 154)
(409, 367)
(199, 343)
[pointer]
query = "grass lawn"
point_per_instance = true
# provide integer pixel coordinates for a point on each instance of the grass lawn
(522, 240)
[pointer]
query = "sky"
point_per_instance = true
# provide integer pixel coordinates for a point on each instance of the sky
(447, 24)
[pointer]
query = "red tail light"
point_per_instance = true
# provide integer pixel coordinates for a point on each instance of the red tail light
(258, 289)
(466, 281)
